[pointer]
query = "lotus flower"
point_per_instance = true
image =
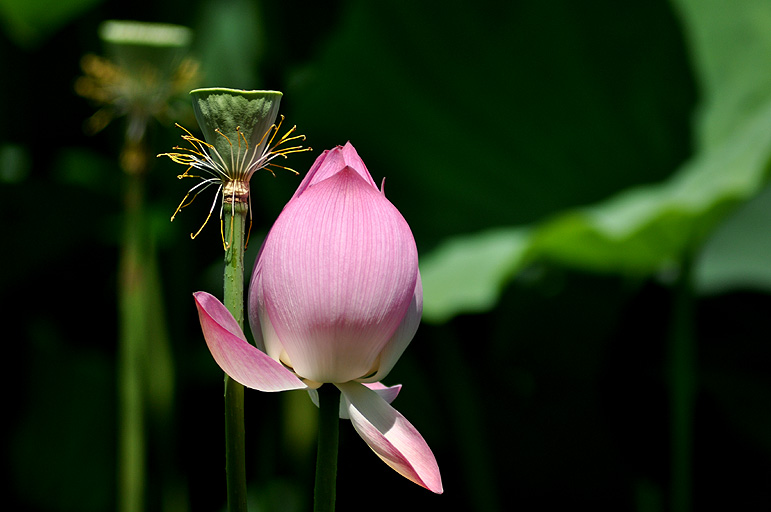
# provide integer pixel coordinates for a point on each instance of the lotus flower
(335, 297)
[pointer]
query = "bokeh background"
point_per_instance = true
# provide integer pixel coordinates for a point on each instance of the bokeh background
(586, 182)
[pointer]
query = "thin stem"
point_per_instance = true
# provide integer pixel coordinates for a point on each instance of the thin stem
(235, 446)
(682, 385)
(326, 460)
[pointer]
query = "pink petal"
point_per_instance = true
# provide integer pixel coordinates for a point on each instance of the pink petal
(330, 162)
(338, 273)
(353, 160)
(245, 363)
(402, 336)
(253, 308)
(388, 394)
(391, 436)
(311, 174)
(265, 335)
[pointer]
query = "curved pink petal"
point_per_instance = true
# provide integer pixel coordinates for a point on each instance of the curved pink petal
(245, 363)
(253, 307)
(402, 336)
(391, 436)
(311, 174)
(258, 317)
(337, 273)
(353, 160)
(387, 393)
(330, 162)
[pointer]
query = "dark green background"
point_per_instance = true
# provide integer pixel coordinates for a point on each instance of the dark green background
(480, 114)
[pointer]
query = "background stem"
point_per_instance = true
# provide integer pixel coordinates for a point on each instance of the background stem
(682, 378)
(133, 322)
(235, 444)
(145, 365)
(326, 460)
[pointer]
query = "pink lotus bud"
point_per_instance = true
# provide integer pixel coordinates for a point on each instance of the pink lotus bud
(335, 291)
(335, 297)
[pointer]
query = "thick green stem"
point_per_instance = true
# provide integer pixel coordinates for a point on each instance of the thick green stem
(235, 446)
(326, 460)
(682, 385)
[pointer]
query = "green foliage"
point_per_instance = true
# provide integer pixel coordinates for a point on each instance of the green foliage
(736, 255)
(549, 143)
(30, 21)
(502, 114)
(468, 273)
(646, 229)
(229, 39)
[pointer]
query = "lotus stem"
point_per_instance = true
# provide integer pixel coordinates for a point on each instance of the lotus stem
(326, 459)
(682, 380)
(235, 445)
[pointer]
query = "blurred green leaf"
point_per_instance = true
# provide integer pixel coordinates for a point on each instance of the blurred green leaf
(642, 230)
(29, 21)
(229, 41)
(15, 163)
(467, 273)
(731, 44)
(739, 253)
(502, 114)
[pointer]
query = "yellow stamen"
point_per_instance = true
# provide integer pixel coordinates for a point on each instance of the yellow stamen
(280, 167)
(277, 128)
(233, 180)
(249, 232)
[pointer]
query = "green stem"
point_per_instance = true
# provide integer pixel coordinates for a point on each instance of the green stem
(133, 323)
(326, 460)
(235, 446)
(682, 379)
